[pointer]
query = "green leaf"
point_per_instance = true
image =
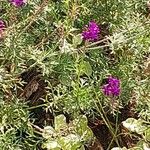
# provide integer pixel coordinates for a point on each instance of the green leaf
(65, 79)
(60, 122)
(134, 125)
(147, 134)
(70, 142)
(51, 145)
(77, 40)
(141, 145)
(66, 47)
(146, 146)
(48, 132)
(85, 68)
(82, 128)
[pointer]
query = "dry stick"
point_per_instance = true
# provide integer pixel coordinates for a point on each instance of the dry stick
(98, 42)
(33, 107)
(37, 127)
(37, 130)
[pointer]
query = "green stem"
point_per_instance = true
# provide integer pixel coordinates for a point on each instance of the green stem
(105, 119)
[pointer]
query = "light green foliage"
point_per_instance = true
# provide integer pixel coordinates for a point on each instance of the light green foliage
(85, 68)
(77, 40)
(81, 128)
(135, 125)
(65, 136)
(13, 114)
(60, 123)
(140, 146)
(139, 126)
(14, 119)
(47, 35)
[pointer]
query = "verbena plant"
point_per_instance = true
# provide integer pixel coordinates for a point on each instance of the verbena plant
(48, 35)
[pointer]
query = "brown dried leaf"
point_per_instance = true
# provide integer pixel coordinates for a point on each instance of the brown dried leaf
(30, 88)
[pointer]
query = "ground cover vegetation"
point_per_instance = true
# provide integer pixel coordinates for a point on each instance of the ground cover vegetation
(74, 75)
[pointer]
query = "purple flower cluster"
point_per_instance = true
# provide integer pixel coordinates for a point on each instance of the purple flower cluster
(2, 25)
(91, 32)
(17, 3)
(112, 88)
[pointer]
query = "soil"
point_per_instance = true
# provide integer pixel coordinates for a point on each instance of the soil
(33, 92)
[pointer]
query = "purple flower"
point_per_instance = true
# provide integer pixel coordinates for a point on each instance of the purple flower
(112, 88)
(2, 25)
(91, 32)
(17, 3)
